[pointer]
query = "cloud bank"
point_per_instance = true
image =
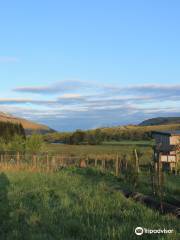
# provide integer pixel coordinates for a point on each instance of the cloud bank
(76, 104)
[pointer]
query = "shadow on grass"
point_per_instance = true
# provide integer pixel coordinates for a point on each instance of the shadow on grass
(4, 206)
(96, 176)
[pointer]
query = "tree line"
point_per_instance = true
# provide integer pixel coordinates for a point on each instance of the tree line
(31, 144)
(97, 136)
(8, 130)
(13, 138)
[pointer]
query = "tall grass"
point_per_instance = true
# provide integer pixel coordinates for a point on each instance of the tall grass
(72, 204)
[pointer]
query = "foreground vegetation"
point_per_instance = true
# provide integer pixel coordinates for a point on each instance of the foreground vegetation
(72, 204)
(170, 186)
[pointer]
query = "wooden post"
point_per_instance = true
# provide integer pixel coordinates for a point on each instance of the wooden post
(95, 164)
(53, 163)
(2, 158)
(117, 166)
(103, 164)
(18, 159)
(126, 165)
(47, 162)
(137, 161)
(6, 159)
(120, 166)
(160, 181)
(87, 161)
(159, 169)
(34, 160)
(152, 176)
(176, 165)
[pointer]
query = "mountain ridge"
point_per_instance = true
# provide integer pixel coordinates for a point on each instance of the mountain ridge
(29, 126)
(160, 121)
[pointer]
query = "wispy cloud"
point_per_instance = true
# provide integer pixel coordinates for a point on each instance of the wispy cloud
(59, 87)
(74, 86)
(75, 104)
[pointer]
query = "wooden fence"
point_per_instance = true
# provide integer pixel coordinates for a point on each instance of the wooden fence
(54, 162)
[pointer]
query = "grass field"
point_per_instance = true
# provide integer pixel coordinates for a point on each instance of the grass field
(171, 182)
(128, 142)
(73, 204)
(121, 149)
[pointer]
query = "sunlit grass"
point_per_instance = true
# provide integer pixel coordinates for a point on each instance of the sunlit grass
(72, 204)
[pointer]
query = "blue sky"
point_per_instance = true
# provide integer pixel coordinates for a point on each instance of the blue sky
(85, 64)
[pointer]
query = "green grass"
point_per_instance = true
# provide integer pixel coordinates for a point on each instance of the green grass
(96, 149)
(145, 150)
(171, 190)
(128, 142)
(171, 182)
(72, 204)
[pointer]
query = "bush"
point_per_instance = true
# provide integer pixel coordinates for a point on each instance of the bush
(34, 143)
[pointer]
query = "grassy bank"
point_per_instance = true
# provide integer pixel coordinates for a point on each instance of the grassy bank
(72, 204)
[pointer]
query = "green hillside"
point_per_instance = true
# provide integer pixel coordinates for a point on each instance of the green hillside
(29, 126)
(160, 121)
(100, 135)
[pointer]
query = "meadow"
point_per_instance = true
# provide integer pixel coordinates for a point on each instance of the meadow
(39, 201)
(122, 148)
(125, 149)
(73, 204)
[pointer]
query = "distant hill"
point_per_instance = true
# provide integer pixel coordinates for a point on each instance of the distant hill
(160, 121)
(29, 126)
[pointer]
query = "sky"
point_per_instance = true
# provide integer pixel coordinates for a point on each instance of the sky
(86, 64)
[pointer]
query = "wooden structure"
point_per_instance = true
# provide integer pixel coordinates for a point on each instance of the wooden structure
(55, 161)
(166, 149)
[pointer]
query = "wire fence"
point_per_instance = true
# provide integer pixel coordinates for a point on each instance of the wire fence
(55, 161)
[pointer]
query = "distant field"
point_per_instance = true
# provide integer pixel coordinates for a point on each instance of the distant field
(127, 142)
(126, 148)
(73, 204)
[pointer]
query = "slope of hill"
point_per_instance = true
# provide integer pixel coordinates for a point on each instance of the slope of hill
(141, 128)
(160, 121)
(29, 126)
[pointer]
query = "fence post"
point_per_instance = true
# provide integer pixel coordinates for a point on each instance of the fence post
(117, 166)
(176, 163)
(47, 162)
(95, 161)
(137, 161)
(2, 158)
(34, 160)
(18, 159)
(103, 164)
(87, 161)
(53, 163)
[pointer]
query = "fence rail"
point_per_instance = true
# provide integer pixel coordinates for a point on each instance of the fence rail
(54, 162)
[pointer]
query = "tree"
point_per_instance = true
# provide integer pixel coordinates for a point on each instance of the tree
(95, 137)
(9, 130)
(3, 145)
(34, 143)
(17, 144)
(77, 137)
